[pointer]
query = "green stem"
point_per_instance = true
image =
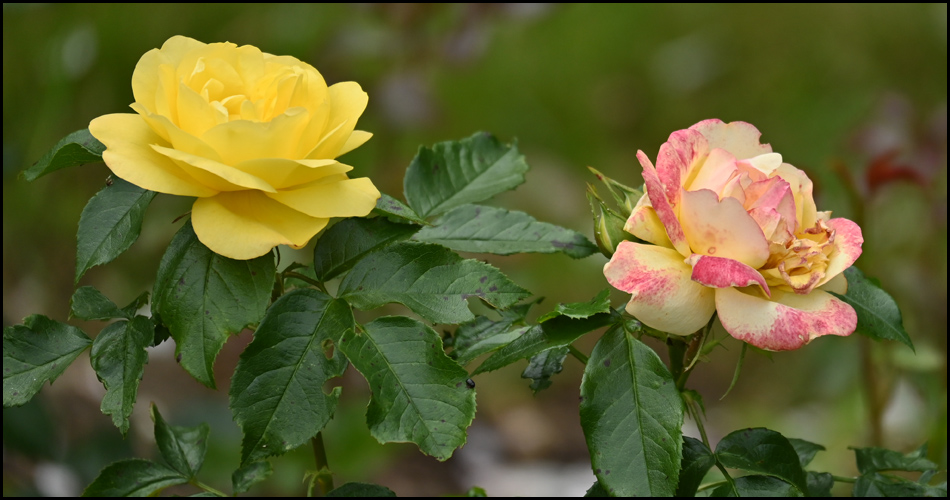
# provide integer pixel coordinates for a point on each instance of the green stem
(198, 484)
(306, 279)
(323, 474)
(842, 479)
(577, 354)
(694, 414)
(707, 486)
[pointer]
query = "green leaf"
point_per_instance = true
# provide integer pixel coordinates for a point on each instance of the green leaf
(77, 148)
(118, 356)
(349, 490)
(109, 224)
(430, 279)
(597, 491)
(758, 486)
(881, 459)
(419, 395)
(38, 350)
(557, 332)
(397, 211)
(249, 475)
(697, 460)
(543, 366)
(476, 228)
(632, 416)
(581, 310)
(341, 246)
(476, 492)
(183, 448)
(455, 173)
(482, 335)
(762, 451)
(878, 314)
(277, 393)
(203, 298)
(819, 483)
(806, 450)
(133, 478)
(87, 303)
(880, 485)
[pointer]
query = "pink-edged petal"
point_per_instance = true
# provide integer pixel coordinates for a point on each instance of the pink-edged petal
(662, 206)
(663, 295)
(722, 228)
(848, 241)
(677, 158)
(247, 224)
(644, 224)
(787, 321)
(714, 173)
(764, 163)
(739, 138)
(215, 175)
(805, 212)
(719, 272)
(127, 138)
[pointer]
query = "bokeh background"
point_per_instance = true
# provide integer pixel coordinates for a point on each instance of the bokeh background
(856, 95)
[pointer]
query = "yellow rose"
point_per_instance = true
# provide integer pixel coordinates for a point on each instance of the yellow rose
(252, 135)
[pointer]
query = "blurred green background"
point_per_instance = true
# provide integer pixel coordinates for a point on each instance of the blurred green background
(856, 95)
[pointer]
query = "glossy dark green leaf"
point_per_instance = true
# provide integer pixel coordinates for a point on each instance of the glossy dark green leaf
(482, 335)
(806, 450)
(430, 279)
(597, 491)
(557, 332)
(697, 460)
(38, 350)
(455, 173)
(203, 298)
(87, 303)
(819, 483)
(77, 148)
(481, 229)
(758, 486)
(632, 416)
(183, 448)
(396, 210)
(762, 451)
(249, 475)
(881, 459)
(875, 484)
(419, 395)
(543, 366)
(341, 246)
(118, 356)
(109, 224)
(878, 314)
(365, 490)
(133, 478)
(277, 393)
(580, 310)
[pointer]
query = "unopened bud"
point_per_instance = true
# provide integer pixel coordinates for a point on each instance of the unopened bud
(608, 224)
(626, 196)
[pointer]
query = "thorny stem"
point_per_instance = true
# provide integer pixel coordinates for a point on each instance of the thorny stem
(577, 354)
(323, 474)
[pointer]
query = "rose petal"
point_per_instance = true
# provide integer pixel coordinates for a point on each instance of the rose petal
(179, 139)
(347, 104)
(154, 74)
(678, 159)
(282, 173)
(720, 272)
(722, 228)
(739, 138)
(644, 224)
(838, 284)
(764, 163)
(848, 241)
(215, 175)
(247, 224)
(714, 173)
(787, 321)
(242, 140)
(662, 206)
(331, 198)
(356, 139)
(805, 212)
(663, 295)
(128, 155)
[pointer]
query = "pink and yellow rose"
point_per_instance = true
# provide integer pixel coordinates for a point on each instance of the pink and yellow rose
(735, 231)
(252, 135)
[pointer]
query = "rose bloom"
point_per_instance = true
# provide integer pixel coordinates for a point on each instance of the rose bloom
(734, 230)
(252, 135)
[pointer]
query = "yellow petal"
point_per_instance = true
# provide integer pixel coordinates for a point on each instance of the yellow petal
(663, 295)
(645, 224)
(739, 138)
(128, 154)
(282, 173)
(213, 174)
(347, 102)
(357, 139)
(848, 241)
(242, 140)
(787, 321)
(156, 68)
(179, 139)
(722, 228)
(246, 224)
(343, 198)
